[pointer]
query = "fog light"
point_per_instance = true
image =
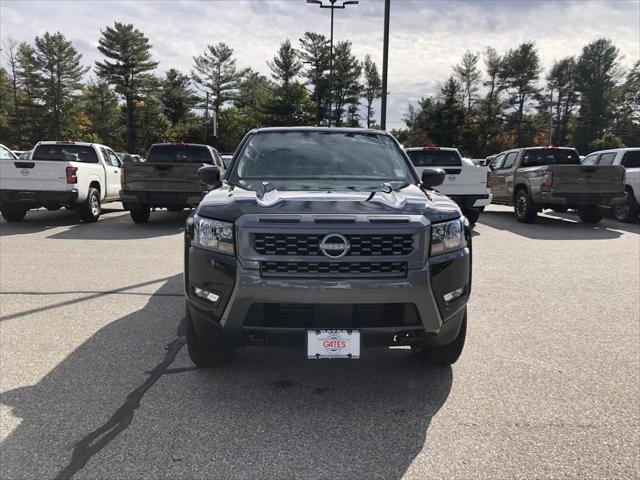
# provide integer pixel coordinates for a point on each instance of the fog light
(449, 297)
(206, 295)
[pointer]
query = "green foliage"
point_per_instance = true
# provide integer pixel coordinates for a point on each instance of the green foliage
(60, 73)
(216, 71)
(126, 66)
(6, 124)
(315, 54)
(177, 97)
(596, 74)
(468, 75)
(346, 80)
(372, 87)
(607, 140)
(100, 105)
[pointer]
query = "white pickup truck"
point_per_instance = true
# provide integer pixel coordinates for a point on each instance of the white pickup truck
(629, 158)
(465, 183)
(76, 175)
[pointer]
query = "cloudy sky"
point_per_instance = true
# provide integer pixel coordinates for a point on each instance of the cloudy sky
(427, 37)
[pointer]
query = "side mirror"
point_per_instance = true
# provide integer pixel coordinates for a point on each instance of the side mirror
(432, 177)
(209, 175)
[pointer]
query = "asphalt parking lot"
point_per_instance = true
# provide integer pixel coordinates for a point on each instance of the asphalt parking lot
(95, 381)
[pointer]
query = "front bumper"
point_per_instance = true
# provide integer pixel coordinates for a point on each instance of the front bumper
(39, 198)
(239, 288)
(472, 201)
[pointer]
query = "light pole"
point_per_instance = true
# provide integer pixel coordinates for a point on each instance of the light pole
(332, 5)
(385, 65)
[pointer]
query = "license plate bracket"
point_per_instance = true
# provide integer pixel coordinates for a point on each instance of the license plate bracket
(331, 344)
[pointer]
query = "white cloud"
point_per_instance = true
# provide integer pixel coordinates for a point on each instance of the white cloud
(427, 37)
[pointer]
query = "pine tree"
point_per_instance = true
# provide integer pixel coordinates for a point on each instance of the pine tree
(314, 53)
(100, 105)
(346, 80)
(28, 79)
(562, 81)
(176, 96)
(216, 71)
(597, 72)
(10, 50)
(126, 66)
(60, 71)
(469, 76)
(372, 87)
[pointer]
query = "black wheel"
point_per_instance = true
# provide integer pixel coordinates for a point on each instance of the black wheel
(89, 211)
(590, 214)
(524, 208)
(626, 212)
(446, 354)
(139, 213)
(211, 351)
(13, 213)
(472, 214)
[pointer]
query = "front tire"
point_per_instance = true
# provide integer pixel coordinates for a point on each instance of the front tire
(90, 210)
(139, 213)
(590, 214)
(209, 351)
(472, 214)
(446, 354)
(13, 213)
(627, 211)
(524, 208)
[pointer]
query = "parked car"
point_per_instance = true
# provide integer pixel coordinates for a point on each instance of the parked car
(226, 159)
(75, 175)
(466, 184)
(325, 238)
(629, 158)
(167, 179)
(532, 179)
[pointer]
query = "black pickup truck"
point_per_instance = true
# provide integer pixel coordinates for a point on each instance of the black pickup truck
(167, 179)
(326, 239)
(535, 178)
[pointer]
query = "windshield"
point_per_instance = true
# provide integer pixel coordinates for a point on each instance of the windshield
(65, 153)
(435, 158)
(548, 156)
(180, 154)
(308, 160)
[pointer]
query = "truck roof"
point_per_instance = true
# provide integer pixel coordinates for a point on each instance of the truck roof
(432, 147)
(319, 129)
(70, 142)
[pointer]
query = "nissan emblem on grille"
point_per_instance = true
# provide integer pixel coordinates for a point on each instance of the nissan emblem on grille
(334, 245)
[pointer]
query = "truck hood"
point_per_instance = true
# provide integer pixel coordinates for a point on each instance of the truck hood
(229, 203)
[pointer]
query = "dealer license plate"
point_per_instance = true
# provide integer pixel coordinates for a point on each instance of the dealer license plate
(333, 344)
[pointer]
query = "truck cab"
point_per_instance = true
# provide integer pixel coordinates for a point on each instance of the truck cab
(466, 184)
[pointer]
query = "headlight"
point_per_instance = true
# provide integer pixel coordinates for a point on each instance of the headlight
(214, 235)
(447, 237)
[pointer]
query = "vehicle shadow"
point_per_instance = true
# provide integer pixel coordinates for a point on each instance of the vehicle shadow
(41, 219)
(269, 414)
(547, 227)
(114, 224)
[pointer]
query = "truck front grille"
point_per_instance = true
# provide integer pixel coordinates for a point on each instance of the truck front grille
(309, 244)
(351, 269)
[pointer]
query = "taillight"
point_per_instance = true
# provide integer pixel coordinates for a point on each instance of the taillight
(488, 178)
(547, 178)
(71, 175)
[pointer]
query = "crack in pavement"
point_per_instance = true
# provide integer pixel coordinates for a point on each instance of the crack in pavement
(95, 441)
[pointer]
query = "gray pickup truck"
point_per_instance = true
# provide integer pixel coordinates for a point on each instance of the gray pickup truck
(532, 179)
(325, 238)
(167, 179)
